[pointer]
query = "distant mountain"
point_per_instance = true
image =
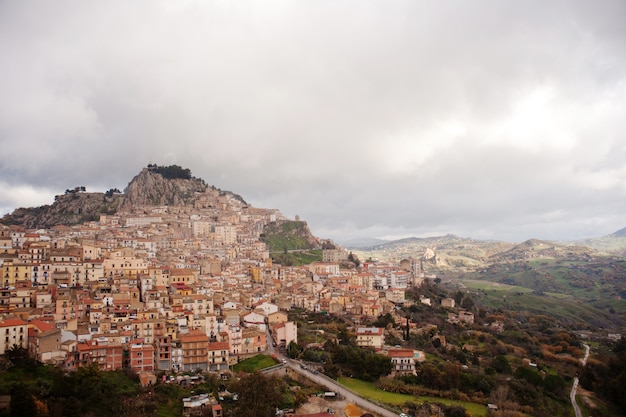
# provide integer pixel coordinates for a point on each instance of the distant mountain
(361, 242)
(534, 248)
(153, 186)
(619, 233)
(420, 241)
(440, 252)
(614, 243)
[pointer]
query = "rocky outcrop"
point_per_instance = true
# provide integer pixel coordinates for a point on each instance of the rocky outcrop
(68, 209)
(149, 188)
(289, 235)
(153, 186)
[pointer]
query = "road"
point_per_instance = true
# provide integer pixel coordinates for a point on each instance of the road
(572, 394)
(332, 385)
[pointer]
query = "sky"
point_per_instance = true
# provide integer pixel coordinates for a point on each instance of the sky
(495, 119)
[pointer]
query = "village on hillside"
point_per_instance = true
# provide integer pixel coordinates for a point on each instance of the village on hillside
(164, 288)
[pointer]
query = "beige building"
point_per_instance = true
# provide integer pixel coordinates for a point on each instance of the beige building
(218, 356)
(285, 333)
(14, 332)
(371, 337)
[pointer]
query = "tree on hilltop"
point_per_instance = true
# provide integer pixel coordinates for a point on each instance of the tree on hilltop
(172, 172)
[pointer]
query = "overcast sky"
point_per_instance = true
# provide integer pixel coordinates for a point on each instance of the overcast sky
(486, 119)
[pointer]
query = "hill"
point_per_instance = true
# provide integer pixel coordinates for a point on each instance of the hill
(153, 186)
(534, 248)
(441, 253)
(614, 243)
(68, 209)
(573, 282)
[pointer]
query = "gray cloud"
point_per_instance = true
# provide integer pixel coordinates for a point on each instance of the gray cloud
(485, 119)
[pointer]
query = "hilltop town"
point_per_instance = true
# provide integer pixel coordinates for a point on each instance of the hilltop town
(174, 279)
(178, 287)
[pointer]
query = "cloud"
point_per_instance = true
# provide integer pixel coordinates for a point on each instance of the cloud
(486, 119)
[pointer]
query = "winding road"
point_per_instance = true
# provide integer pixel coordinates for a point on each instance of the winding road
(332, 385)
(572, 394)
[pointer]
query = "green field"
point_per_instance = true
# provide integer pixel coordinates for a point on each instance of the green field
(255, 363)
(495, 286)
(369, 390)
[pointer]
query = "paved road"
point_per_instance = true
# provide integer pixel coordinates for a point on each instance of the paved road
(332, 385)
(572, 394)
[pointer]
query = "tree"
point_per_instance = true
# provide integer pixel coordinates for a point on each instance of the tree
(501, 364)
(16, 353)
(454, 411)
(620, 346)
(299, 397)
(354, 259)
(384, 321)
(22, 401)
(467, 302)
(258, 395)
(294, 350)
(500, 395)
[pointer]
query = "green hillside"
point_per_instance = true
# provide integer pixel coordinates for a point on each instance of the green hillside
(288, 235)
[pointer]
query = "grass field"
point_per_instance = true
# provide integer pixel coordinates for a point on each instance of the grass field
(495, 286)
(369, 390)
(255, 363)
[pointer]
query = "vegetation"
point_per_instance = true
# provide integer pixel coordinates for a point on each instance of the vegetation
(284, 236)
(171, 171)
(255, 363)
(39, 390)
(112, 192)
(297, 258)
(50, 392)
(259, 396)
(559, 286)
(372, 391)
(291, 243)
(349, 359)
(607, 376)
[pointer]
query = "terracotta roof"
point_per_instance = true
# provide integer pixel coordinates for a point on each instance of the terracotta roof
(193, 337)
(12, 322)
(42, 326)
(218, 345)
(400, 353)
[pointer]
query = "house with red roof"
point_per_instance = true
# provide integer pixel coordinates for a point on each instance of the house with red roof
(218, 356)
(14, 332)
(44, 342)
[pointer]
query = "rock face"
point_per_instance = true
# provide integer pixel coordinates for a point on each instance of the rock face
(68, 209)
(153, 186)
(150, 188)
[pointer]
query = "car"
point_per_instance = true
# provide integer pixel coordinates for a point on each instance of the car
(403, 415)
(284, 360)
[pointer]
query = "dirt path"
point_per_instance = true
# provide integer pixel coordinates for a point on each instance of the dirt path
(341, 408)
